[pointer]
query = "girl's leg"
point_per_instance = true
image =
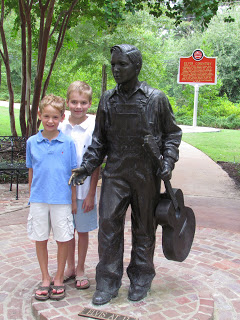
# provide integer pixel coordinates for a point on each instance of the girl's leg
(70, 270)
(83, 239)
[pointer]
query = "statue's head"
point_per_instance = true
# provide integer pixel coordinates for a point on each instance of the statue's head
(129, 59)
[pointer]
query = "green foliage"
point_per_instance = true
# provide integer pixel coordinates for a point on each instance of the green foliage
(161, 45)
(90, 51)
(213, 110)
(220, 146)
(221, 40)
(217, 40)
(113, 10)
(14, 57)
(202, 11)
(43, 25)
(208, 120)
(106, 22)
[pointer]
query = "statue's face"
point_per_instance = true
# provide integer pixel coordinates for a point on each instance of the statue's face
(123, 69)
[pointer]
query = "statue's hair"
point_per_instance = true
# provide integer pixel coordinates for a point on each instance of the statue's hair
(53, 101)
(131, 51)
(81, 87)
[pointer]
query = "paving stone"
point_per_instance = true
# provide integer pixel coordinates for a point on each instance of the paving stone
(174, 285)
(205, 286)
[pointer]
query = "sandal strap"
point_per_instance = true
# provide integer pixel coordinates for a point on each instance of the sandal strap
(46, 288)
(81, 278)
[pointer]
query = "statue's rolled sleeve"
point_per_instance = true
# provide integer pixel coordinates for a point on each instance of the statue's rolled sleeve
(171, 133)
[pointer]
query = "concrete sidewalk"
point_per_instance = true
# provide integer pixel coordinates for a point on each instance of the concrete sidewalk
(205, 286)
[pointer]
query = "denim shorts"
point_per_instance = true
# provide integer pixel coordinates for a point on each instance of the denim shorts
(85, 221)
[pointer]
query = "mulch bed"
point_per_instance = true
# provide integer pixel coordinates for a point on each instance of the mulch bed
(4, 178)
(233, 170)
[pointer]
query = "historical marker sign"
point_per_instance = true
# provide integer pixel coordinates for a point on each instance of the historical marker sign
(197, 69)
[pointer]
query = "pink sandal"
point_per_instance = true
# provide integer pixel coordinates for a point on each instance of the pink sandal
(80, 279)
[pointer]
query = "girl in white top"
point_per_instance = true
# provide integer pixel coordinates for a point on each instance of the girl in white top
(80, 127)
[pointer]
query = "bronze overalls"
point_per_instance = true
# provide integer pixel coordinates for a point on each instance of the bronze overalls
(128, 179)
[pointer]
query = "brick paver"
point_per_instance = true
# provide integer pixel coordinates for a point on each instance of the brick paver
(205, 286)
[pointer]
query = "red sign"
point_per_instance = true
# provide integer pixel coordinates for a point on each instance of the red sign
(197, 69)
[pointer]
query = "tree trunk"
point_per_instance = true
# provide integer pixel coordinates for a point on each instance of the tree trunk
(59, 44)
(5, 58)
(41, 65)
(29, 75)
(25, 16)
(22, 118)
(104, 78)
(11, 99)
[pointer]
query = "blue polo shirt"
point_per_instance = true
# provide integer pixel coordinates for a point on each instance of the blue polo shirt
(52, 163)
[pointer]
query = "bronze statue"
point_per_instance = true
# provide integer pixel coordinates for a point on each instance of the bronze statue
(126, 115)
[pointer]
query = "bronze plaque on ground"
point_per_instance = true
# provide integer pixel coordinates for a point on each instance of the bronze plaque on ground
(103, 315)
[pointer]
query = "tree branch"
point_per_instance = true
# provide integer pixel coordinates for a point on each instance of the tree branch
(40, 4)
(2, 13)
(59, 44)
(46, 4)
(30, 5)
(24, 84)
(2, 55)
(41, 64)
(57, 23)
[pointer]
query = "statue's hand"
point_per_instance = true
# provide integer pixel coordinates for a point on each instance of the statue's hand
(78, 176)
(166, 172)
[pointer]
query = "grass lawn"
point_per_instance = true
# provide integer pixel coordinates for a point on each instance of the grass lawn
(5, 122)
(220, 146)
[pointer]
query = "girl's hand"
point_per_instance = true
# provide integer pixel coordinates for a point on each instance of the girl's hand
(88, 203)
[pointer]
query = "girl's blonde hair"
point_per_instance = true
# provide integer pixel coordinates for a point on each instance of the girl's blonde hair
(81, 87)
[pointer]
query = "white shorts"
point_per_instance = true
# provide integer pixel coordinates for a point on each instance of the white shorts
(42, 217)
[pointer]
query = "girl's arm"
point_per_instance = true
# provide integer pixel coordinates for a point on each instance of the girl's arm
(74, 200)
(88, 203)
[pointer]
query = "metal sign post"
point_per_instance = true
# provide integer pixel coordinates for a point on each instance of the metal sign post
(196, 90)
(197, 70)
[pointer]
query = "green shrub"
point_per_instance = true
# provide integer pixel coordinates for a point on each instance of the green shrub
(231, 122)
(184, 119)
(221, 107)
(207, 120)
